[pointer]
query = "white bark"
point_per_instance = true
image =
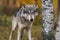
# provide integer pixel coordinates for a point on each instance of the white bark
(47, 17)
(58, 29)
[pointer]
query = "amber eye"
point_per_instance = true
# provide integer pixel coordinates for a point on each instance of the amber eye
(25, 11)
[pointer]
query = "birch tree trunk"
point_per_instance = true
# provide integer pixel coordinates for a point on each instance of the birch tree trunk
(47, 20)
(58, 28)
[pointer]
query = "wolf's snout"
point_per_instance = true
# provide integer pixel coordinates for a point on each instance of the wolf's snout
(31, 19)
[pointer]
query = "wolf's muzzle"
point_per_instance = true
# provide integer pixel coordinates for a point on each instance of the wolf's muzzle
(31, 20)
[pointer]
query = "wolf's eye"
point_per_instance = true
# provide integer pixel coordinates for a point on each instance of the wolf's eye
(32, 11)
(25, 11)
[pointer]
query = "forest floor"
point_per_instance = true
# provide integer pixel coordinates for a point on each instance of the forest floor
(5, 32)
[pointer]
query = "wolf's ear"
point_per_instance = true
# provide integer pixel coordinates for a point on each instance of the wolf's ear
(23, 6)
(36, 5)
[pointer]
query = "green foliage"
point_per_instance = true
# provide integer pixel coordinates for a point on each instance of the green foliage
(1, 10)
(4, 20)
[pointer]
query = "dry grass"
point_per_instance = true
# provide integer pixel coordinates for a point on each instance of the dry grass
(5, 31)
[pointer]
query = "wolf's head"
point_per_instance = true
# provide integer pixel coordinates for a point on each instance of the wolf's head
(30, 12)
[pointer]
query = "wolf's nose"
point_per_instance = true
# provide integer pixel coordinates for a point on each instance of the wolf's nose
(31, 20)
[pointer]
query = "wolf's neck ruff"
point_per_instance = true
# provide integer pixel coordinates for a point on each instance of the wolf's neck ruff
(25, 21)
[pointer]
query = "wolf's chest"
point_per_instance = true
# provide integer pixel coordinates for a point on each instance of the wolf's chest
(24, 21)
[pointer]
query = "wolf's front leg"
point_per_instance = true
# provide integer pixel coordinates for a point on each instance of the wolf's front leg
(20, 32)
(29, 34)
(10, 36)
(14, 24)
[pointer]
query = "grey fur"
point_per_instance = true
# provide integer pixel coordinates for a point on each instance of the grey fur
(24, 19)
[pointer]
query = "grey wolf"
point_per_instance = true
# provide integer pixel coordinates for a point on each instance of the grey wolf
(24, 19)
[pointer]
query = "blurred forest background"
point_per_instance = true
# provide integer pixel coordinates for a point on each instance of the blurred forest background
(9, 7)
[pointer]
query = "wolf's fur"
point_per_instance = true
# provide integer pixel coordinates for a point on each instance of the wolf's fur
(24, 19)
